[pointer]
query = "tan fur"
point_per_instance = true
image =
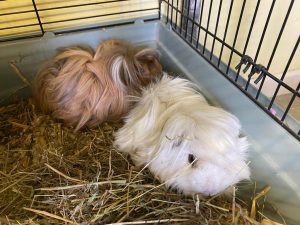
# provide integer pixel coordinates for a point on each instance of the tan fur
(86, 89)
(139, 66)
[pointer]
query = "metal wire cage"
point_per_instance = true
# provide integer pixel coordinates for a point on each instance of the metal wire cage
(32, 18)
(235, 37)
(226, 47)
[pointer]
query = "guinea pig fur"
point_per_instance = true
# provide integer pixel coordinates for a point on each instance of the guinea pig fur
(186, 143)
(83, 88)
(131, 67)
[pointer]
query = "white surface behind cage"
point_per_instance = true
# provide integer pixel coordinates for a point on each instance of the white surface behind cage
(274, 153)
(292, 79)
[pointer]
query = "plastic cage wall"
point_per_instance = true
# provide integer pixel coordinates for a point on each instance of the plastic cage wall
(252, 43)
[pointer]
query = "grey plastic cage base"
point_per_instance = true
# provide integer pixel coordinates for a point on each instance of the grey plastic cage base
(274, 153)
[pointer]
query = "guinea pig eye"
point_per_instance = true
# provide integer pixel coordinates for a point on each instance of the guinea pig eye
(241, 135)
(142, 70)
(191, 158)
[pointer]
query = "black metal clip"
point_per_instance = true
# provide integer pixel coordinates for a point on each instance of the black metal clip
(245, 60)
(259, 69)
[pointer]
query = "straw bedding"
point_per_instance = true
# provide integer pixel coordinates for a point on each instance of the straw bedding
(52, 175)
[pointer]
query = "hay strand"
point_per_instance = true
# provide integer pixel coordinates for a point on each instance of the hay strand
(258, 196)
(150, 221)
(20, 74)
(43, 213)
(64, 175)
(120, 182)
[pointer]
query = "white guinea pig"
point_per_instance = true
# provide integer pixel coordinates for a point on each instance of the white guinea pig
(186, 143)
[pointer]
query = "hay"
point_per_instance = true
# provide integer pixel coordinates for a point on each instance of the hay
(51, 175)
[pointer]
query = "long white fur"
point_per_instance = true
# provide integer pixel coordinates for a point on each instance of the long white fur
(115, 71)
(172, 120)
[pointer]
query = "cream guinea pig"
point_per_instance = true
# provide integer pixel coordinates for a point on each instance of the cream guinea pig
(186, 143)
(83, 88)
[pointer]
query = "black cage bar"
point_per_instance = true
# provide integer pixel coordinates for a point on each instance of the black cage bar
(40, 23)
(248, 63)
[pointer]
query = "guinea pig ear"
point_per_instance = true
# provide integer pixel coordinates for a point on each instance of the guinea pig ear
(148, 60)
(147, 54)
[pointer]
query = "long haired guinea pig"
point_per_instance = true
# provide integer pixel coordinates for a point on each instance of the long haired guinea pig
(83, 88)
(186, 143)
